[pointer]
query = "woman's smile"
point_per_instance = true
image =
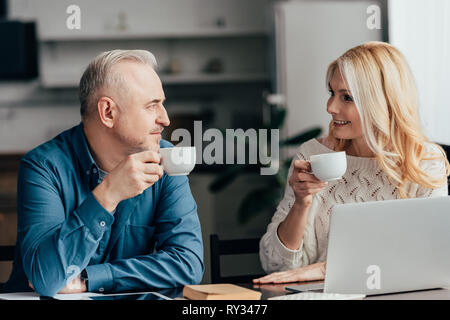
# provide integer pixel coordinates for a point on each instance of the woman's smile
(340, 124)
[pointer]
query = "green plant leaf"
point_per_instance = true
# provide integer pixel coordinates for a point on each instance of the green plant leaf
(265, 198)
(277, 119)
(302, 137)
(282, 175)
(227, 177)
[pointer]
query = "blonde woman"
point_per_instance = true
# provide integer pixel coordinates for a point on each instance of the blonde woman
(373, 105)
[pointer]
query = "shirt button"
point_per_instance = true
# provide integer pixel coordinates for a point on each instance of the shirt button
(102, 223)
(94, 170)
(101, 289)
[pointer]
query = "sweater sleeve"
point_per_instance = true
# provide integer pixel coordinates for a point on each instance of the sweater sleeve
(274, 255)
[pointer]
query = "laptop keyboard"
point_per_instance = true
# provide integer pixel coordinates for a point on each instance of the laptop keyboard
(306, 287)
(319, 296)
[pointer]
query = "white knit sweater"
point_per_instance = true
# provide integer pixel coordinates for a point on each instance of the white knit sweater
(363, 181)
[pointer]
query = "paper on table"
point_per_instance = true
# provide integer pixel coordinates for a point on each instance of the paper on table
(65, 296)
(87, 295)
(36, 296)
(76, 296)
(19, 296)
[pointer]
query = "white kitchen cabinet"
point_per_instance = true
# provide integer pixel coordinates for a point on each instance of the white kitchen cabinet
(23, 128)
(137, 19)
(244, 59)
(190, 32)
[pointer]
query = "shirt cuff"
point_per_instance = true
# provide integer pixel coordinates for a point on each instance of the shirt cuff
(286, 253)
(99, 278)
(94, 216)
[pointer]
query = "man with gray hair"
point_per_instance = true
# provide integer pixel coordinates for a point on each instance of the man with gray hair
(96, 212)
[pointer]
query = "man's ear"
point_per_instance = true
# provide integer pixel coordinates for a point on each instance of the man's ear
(107, 111)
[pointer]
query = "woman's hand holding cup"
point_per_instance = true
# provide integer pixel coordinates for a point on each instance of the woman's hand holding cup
(304, 183)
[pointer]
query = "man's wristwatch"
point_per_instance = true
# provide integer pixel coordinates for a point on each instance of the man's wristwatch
(84, 277)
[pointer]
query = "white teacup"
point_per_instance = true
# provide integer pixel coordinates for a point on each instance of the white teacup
(329, 166)
(178, 161)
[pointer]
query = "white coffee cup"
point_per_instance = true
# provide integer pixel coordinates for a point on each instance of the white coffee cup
(328, 166)
(178, 161)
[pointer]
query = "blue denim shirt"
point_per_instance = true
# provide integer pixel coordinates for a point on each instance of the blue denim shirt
(151, 241)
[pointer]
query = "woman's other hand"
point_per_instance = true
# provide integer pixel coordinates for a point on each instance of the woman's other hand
(308, 273)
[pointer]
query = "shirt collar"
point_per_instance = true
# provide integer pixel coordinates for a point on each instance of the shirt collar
(81, 147)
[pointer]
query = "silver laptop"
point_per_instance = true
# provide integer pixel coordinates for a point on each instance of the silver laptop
(387, 246)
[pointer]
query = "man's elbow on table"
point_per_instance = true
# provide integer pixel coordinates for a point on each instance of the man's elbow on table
(44, 281)
(46, 287)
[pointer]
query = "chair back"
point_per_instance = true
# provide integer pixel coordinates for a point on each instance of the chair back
(231, 247)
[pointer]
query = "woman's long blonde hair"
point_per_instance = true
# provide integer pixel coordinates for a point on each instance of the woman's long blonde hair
(385, 96)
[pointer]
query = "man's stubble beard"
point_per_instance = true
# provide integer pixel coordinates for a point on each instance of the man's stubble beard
(133, 146)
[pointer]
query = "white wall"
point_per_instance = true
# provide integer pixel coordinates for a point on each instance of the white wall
(426, 47)
(311, 34)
